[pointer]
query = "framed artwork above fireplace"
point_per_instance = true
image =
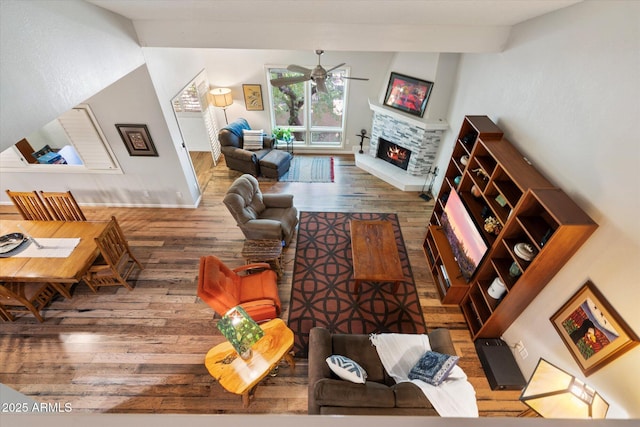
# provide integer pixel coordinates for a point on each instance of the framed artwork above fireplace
(408, 94)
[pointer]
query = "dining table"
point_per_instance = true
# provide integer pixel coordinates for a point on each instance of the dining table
(42, 265)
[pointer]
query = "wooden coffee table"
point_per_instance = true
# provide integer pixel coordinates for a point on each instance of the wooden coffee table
(241, 376)
(375, 253)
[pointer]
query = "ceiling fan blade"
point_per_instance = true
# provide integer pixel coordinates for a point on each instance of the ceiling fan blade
(337, 66)
(298, 69)
(283, 81)
(320, 86)
(355, 78)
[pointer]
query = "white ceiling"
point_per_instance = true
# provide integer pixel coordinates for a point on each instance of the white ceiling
(368, 25)
(408, 12)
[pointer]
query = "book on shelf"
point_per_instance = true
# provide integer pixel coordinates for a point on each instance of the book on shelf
(445, 276)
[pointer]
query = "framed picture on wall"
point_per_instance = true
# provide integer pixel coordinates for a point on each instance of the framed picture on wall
(253, 97)
(137, 140)
(592, 330)
(408, 94)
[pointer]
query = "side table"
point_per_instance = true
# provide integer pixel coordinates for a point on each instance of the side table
(264, 251)
(242, 376)
(288, 143)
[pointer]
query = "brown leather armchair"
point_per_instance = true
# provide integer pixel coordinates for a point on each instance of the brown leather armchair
(255, 291)
(261, 216)
(232, 146)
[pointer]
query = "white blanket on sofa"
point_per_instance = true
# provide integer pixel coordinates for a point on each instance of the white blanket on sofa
(455, 397)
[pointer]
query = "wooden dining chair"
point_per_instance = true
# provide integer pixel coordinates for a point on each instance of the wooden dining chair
(116, 261)
(5, 315)
(30, 205)
(25, 297)
(62, 206)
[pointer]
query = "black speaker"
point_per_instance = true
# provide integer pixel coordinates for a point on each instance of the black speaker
(499, 366)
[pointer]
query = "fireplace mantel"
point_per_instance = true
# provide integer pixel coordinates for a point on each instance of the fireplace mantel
(411, 120)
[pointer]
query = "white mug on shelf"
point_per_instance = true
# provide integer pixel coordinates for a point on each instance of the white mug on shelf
(497, 288)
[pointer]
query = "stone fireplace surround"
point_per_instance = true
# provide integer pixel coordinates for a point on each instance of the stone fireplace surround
(422, 138)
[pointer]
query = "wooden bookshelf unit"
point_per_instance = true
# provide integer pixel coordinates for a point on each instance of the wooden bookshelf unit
(498, 181)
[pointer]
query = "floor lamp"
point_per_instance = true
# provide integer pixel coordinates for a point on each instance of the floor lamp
(222, 98)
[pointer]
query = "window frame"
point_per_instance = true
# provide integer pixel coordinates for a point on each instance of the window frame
(308, 128)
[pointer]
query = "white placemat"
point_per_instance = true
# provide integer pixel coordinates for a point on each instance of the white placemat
(52, 248)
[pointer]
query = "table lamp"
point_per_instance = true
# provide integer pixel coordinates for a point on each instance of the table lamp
(222, 98)
(240, 330)
(554, 393)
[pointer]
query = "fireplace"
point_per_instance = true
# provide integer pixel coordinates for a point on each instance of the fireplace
(418, 137)
(393, 153)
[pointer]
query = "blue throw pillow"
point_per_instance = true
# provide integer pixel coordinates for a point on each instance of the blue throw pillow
(433, 367)
(347, 369)
(237, 126)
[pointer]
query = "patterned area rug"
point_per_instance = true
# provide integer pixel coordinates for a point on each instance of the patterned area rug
(309, 169)
(322, 289)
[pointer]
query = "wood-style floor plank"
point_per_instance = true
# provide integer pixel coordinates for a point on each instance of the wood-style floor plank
(142, 351)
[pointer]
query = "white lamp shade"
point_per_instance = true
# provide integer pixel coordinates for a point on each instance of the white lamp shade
(221, 97)
(553, 393)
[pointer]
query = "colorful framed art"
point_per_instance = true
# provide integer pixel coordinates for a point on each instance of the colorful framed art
(592, 330)
(408, 94)
(137, 140)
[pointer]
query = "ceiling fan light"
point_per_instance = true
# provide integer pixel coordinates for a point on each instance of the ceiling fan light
(320, 86)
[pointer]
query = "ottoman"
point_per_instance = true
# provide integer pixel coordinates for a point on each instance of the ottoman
(275, 164)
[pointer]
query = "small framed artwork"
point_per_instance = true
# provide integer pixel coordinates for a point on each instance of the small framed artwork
(253, 97)
(592, 330)
(408, 94)
(137, 140)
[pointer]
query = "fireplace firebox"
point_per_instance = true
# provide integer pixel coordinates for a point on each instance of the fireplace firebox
(393, 153)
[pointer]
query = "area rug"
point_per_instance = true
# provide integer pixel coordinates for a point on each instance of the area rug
(309, 169)
(322, 287)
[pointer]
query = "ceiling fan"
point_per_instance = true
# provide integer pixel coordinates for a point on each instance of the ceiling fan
(318, 75)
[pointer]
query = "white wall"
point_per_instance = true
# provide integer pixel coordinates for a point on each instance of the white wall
(194, 131)
(106, 50)
(233, 67)
(145, 181)
(171, 70)
(70, 54)
(51, 60)
(148, 181)
(566, 91)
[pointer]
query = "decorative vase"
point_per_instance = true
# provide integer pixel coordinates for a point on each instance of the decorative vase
(497, 288)
(514, 270)
(475, 191)
(525, 251)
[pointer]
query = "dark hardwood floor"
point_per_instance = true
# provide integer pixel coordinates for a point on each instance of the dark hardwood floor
(143, 350)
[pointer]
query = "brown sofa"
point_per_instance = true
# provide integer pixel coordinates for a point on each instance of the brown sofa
(380, 395)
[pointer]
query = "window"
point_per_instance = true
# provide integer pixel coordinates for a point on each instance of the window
(188, 100)
(316, 118)
(73, 141)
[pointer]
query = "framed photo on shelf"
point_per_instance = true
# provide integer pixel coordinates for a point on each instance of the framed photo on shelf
(408, 94)
(253, 97)
(592, 330)
(137, 140)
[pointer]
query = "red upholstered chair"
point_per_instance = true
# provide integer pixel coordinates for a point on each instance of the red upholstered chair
(224, 288)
